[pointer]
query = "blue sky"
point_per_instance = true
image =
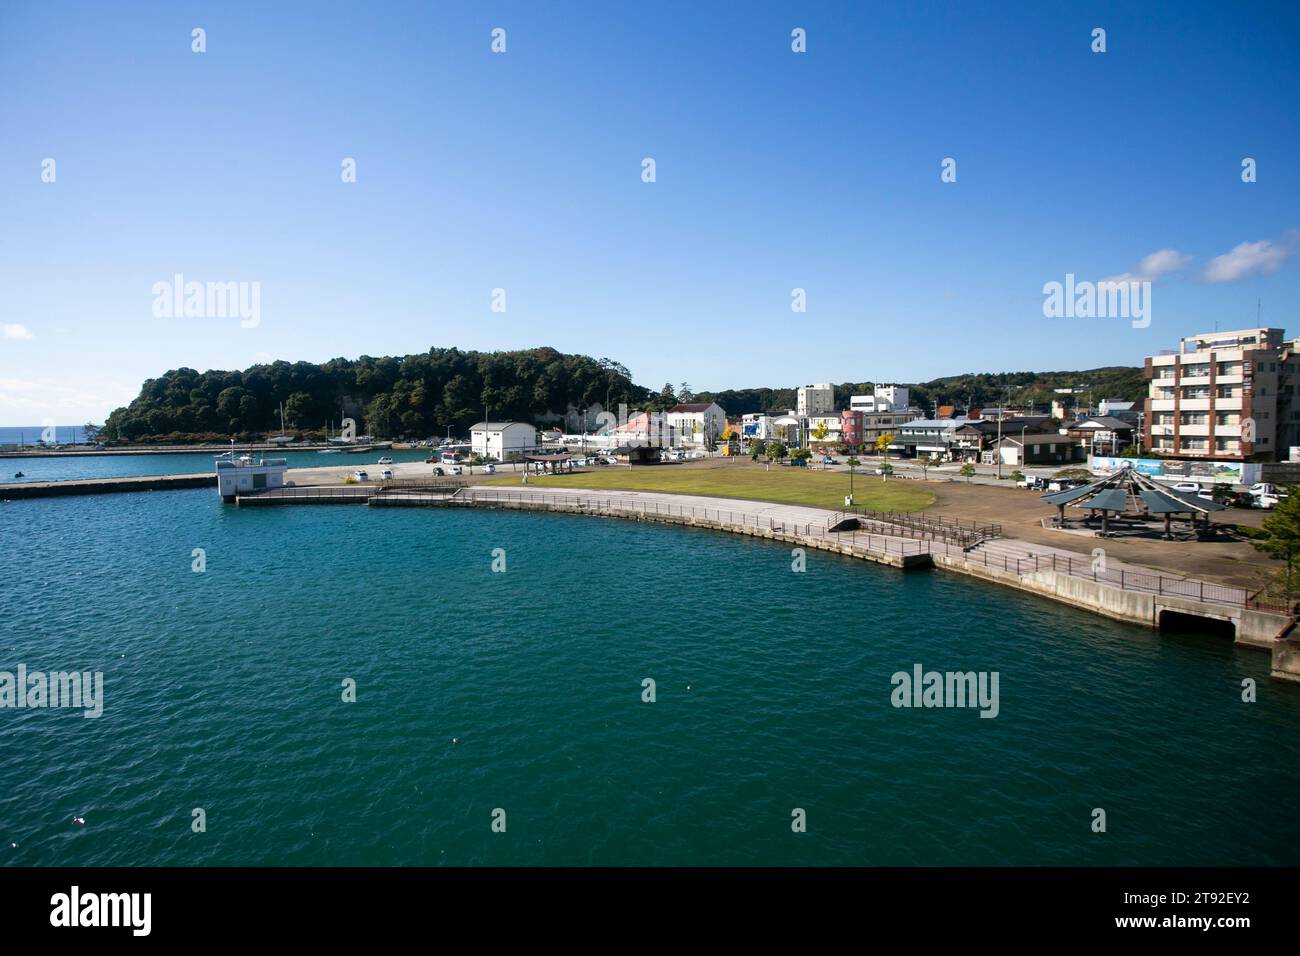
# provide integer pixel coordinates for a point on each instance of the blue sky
(522, 171)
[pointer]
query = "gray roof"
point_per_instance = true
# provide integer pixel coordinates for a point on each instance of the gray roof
(1110, 493)
(1104, 422)
(938, 422)
(495, 426)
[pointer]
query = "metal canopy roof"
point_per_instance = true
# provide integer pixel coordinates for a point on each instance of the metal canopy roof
(1115, 491)
(1109, 499)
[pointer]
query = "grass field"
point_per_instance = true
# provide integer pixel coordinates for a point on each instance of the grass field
(796, 486)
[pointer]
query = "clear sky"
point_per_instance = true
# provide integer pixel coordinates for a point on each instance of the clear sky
(522, 171)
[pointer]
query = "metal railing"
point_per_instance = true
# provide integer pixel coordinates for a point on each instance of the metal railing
(1149, 582)
(324, 492)
(722, 517)
(968, 534)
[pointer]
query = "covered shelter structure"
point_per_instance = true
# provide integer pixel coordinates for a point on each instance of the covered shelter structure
(554, 463)
(1129, 494)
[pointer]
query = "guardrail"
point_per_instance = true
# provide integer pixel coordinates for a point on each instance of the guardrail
(1149, 582)
(723, 517)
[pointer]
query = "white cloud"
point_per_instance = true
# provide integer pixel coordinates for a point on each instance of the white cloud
(1247, 259)
(1155, 266)
(15, 331)
(26, 401)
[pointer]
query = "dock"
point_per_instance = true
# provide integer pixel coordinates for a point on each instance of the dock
(19, 490)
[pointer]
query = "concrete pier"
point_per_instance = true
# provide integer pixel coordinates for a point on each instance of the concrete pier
(102, 486)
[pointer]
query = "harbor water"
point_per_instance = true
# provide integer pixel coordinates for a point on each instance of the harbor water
(521, 690)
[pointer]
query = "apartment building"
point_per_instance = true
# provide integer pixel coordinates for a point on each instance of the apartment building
(1223, 395)
(815, 400)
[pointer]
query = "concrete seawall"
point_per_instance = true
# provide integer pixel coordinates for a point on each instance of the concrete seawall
(102, 486)
(1252, 628)
(844, 544)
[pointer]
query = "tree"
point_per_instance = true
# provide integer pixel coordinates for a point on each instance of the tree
(1281, 530)
(776, 450)
(757, 449)
(1017, 475)
(882, 445)
(821, 432)
(90, 430)
(853, 464)
(967, 471)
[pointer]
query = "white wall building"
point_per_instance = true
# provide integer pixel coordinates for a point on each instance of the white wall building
(815, 400)
(504, 441)
(698, 423)
(245, 474)
(886, 398)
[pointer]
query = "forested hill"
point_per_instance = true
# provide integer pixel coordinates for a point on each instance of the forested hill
(429, 393)
(978, 389)
(416, 395)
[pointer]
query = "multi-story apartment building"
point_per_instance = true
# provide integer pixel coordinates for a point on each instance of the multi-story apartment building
(815, 400)
(1223, 395)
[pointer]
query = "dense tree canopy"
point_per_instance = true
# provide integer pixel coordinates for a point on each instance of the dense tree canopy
(446, 389)
(414, 395)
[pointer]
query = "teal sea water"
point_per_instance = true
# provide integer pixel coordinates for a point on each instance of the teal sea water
(65, 467)
(223, 691)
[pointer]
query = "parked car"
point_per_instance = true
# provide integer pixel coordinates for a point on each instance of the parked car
(360, 476)
(455, 470)
(386, 474)
(385, 461)
(489, 469)
(828, 460)
(438, 471)
(1188, 487)
(1032, 482)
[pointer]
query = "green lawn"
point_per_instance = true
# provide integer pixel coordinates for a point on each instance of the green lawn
(742, 479)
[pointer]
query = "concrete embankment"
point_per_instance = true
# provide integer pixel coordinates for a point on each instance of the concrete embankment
(102, 486)
(1251, 627)
(899, 553)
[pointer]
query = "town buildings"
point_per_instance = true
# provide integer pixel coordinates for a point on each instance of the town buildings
(699, 423)
(504, 441)
(813, 400)
(1223, 395)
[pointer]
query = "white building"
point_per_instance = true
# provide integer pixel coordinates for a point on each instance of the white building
(244, 474)
(832, 425)
(699, 423)
(886, 398)
(504, 441)
(815, 400)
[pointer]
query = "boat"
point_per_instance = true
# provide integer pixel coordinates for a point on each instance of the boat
(329, 451)
(282, 438)
(20, 475)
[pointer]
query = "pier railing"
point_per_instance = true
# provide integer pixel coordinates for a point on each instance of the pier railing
(930, 527)
(723, 517)
(1153, 583)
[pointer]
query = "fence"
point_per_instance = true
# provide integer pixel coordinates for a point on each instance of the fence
(1129, 580)
(723, 517)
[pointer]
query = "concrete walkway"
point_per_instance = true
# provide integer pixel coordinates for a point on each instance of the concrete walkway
(1008, 554)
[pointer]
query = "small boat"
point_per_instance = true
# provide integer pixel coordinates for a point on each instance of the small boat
(20, 475)
(329, 451)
